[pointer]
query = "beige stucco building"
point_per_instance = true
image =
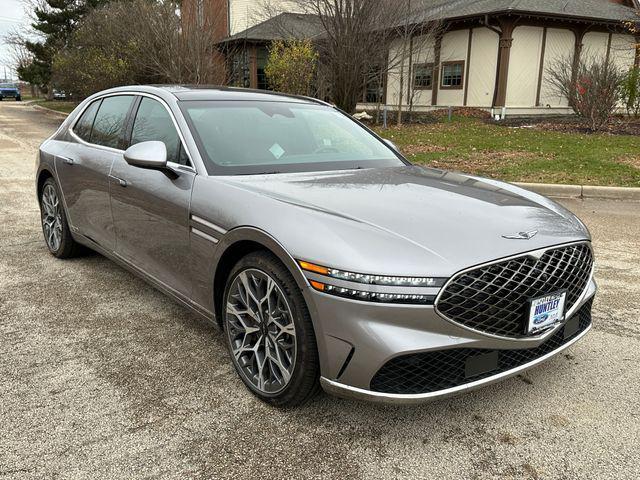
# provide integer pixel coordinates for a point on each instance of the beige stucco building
(496, 54)
(493, 54)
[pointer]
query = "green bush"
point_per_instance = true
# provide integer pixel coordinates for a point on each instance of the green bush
(291, 66)
(631, 91)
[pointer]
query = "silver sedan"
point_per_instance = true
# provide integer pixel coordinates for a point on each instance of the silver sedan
(326, 257)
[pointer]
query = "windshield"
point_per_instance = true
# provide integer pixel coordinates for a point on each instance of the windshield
(246, 137)
(7, 85)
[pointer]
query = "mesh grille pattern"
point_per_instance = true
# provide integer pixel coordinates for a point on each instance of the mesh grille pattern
(434, 371)
(494, 298)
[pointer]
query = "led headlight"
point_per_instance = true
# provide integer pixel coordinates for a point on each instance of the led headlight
(370, 285)
(374, 279)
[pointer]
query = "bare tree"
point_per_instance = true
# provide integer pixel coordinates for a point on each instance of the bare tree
(138, 41)
(593, 86)
(356, 35)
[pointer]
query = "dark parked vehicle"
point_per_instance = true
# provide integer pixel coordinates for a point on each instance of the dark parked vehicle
(10, 90)
(326, 257)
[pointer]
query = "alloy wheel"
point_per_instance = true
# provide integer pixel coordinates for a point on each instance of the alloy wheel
(261, 331)
(51, 218)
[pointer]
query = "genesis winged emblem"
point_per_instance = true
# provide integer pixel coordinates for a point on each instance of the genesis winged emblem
(522, 235)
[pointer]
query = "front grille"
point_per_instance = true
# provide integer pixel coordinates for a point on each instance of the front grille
(494, 299)
(434, 371)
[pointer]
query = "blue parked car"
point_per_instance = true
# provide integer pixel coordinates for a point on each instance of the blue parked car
(10, 90)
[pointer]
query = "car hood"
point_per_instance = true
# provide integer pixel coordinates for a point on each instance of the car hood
(457, 220)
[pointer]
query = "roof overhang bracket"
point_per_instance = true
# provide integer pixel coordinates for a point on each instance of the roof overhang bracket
(485, 22)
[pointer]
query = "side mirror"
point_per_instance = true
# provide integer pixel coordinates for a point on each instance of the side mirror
(147, 155)
(391, 144)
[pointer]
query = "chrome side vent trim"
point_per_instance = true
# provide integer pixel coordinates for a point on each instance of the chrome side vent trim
(205, 223)
(203, 235)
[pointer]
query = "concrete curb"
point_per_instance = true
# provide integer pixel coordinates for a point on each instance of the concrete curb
(583, 191)
(50, 110)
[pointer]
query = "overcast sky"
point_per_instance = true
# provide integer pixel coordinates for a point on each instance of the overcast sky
(12, 16)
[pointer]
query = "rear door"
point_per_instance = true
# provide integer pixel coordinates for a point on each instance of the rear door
(151, 207)
(84, 167)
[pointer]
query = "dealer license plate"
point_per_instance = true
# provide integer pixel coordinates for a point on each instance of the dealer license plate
(545, 312)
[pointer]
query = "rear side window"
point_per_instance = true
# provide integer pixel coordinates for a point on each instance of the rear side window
(109, 124)
(153, 122)
(85, 123)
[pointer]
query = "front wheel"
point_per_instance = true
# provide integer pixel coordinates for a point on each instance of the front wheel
(269, 332)
(18, 98)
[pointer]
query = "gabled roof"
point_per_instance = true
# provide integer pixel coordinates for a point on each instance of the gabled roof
(599, 10)
(297, 25)
(283, 26)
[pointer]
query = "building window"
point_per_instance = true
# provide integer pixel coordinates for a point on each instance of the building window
(423, 76)
(452, 75)
(262, 58)
(373, 91)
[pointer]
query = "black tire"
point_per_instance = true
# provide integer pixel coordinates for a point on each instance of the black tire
(68, 247)
(18, 98)
(304, 381)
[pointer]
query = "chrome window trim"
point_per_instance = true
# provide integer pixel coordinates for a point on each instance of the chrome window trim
(190, 168)
(535, 253)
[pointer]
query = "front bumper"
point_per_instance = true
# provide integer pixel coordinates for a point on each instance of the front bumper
(356, 339)
(346, 391)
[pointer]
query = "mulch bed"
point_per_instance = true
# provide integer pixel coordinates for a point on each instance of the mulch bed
(571, 124)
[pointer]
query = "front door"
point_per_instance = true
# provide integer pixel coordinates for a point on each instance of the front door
(83, 168)
(151, 207)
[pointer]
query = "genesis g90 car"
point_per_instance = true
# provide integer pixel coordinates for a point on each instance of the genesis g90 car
(327, 258)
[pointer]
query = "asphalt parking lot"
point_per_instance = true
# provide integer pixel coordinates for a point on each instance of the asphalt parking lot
(104, 377)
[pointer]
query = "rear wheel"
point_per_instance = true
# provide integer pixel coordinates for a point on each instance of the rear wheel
(54, 223)
(269, 331)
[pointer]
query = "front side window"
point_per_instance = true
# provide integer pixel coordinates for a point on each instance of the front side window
(108, 127)
(153, 122)
(423, 76)
(246, 137)
(452, 75)
(85, 123)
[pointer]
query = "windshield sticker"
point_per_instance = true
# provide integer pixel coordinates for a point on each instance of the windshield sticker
(277, 151)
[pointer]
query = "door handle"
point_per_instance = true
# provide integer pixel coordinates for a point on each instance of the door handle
(67, 160)
(121, 182)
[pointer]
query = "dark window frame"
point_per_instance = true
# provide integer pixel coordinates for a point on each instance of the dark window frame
(121, 139)
(462, 64)
(81, 116)
(182, 149)
(429, 66)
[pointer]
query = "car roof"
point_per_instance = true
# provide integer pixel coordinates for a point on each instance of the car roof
(210, 92)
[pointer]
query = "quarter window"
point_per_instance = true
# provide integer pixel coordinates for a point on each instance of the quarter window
(153, 122)
(85, 123)
(108, 126)
(452, 75)
(423, 76)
